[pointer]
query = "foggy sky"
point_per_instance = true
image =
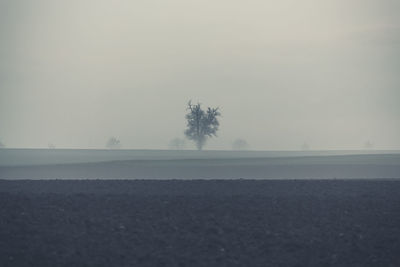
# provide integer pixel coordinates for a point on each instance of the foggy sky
(74, 73)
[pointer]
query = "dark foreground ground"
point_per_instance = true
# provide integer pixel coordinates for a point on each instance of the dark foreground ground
(200, 223)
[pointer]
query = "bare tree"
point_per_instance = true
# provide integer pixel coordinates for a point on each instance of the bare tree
(113, 143)
(51, 146)
(368, 145)
(240, 144)
(177, 144)
(201, 124)
(305, 146)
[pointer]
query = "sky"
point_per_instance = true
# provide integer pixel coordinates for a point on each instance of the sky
(325, 72)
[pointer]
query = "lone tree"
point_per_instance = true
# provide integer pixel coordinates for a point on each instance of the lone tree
(113, 143)
(177, 144)
(305, 146)
(368, 145)
(240, 144)
(201, 124)
(51, 146)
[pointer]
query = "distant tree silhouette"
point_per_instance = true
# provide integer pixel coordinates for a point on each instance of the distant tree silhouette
(201, 124)
(177, 144)
(113, 143)
(368, 145)
(51, 146)
(240, 144)
(305, 146)
(2, 145)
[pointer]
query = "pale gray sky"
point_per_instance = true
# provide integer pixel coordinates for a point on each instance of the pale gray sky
(325, 72)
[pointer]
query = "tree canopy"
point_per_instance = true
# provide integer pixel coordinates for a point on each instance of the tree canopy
(201, 124)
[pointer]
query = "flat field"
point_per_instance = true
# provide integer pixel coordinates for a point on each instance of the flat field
(190, 208)
(200, 223)
(164, 164)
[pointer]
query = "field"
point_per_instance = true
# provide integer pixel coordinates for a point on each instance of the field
(321, 209)
(28, 157)
(200, 223)
(159, 164)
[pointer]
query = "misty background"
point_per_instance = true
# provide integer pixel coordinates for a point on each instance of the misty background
(284, 73)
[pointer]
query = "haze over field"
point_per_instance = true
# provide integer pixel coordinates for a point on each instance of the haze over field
(74, 73)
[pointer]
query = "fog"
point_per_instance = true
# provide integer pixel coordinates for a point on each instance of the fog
(284, 73)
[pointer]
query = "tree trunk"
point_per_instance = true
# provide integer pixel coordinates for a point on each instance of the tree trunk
(199, 145)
